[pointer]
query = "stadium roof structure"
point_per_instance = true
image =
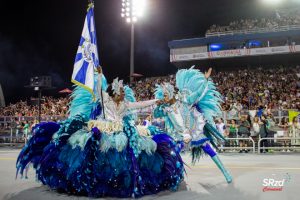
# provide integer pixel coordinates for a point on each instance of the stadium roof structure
(239, 48)
(193, 42)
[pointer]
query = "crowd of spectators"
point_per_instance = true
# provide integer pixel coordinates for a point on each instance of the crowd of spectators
(23, 115)
(247, 89)
(261, 126)
(281, 19)
(275, 88)
(259, 90)
(255, 89)
(49, 107)
(144, 88)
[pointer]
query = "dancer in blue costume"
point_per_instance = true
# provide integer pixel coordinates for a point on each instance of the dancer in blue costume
(102, 153)
(199, 104)
(169, 111)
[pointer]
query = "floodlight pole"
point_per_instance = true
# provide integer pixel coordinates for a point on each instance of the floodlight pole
(132, 54)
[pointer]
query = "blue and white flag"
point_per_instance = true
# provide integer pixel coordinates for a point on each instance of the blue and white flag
(87, 58)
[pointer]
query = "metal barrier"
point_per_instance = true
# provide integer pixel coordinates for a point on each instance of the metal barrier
(240, 148)
(9, 119)
(278, 148)
(11, 137)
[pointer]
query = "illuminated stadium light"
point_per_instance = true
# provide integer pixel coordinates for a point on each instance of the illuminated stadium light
(255, 43)
(139, 7)
(133, 9)
(215, 47)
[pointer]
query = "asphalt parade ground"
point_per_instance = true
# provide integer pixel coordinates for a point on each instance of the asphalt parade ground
(267, 176)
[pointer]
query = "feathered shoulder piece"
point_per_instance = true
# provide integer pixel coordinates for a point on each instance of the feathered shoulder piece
(196, 90)
(129, 94)
(81, 103)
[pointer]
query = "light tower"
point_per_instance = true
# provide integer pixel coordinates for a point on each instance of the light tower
(131, 10)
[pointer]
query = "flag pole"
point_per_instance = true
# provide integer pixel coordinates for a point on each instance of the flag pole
(99, 70)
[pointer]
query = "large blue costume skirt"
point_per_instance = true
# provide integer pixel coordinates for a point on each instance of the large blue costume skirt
(91, 172)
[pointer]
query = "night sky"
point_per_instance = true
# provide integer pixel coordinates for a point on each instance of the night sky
(41, 37)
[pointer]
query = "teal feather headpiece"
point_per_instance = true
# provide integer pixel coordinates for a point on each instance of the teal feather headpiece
(165, 88)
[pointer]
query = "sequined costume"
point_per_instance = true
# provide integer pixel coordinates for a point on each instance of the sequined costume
(169, 112)
(199, 104)
(94, 156)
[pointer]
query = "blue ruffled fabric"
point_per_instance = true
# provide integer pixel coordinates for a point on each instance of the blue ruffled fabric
(94, 173)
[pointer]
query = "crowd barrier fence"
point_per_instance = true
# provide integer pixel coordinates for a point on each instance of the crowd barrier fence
(294, 147)
(252, 147)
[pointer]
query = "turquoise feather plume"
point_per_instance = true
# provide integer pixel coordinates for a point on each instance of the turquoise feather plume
(104, 83)
(200, 92)
(146, 144)
(81, 104)
(210, 103)
(79, 139)
(129, 94)
(159, 93)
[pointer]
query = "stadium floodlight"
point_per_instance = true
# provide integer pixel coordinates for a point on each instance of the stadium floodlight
(131, 10)
(138, 7)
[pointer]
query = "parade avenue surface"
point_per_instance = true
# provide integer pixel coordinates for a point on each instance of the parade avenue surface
(252, 175)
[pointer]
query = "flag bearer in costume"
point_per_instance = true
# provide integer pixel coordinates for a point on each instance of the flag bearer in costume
(98, 151)
(103, 157)
(199, 104)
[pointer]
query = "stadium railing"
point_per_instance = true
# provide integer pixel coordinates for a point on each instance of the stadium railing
(252, 147)
(13, 136)
(274, 147)
(255, 30)
(9, 119)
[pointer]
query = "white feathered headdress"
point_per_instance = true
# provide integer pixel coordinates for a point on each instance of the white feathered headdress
(117, 85)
